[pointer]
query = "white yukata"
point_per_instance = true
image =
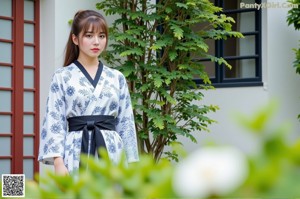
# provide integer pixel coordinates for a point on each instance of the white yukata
(74, 93)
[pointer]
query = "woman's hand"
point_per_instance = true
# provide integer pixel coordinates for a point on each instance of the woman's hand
(59, 166)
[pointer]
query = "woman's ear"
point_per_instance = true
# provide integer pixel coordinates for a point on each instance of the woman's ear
(75, 39)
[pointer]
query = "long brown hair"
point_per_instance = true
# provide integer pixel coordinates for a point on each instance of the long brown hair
(82, 21)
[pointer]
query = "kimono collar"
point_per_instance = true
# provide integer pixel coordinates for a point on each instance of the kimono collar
(95, 81)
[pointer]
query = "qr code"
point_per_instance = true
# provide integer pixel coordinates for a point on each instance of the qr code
(13, 185)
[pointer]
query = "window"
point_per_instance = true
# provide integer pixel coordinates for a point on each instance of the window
(19, 86)
(244, 55)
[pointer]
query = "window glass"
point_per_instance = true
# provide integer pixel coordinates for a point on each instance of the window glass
(6, 8)
(28, 78)
(28, 122)
(6, 52)
(28, 146)
(29, 10)
(28, 168)
(4, 129)
(28, 55)
(29, 33)
(239, 47)
(244, 22)
(241, 69)
(5, 29)
(5, 80)
(210, 68)
(28, 101)
(5, 105)
(5, 143)
(5, 165)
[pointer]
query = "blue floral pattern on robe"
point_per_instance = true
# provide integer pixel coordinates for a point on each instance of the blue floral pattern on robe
(71, 94)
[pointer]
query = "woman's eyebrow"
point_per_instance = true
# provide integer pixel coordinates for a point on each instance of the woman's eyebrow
(94, 32)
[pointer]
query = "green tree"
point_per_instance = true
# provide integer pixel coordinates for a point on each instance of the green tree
(154, 45)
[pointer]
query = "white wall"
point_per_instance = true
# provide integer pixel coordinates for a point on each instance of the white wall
(282, 79)
(226, 131)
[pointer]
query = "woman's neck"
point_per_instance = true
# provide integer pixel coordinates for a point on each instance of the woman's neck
(88, 62)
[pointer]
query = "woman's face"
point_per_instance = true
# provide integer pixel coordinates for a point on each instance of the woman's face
(91, 44)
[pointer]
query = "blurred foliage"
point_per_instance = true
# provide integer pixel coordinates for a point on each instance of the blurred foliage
(274, 171)
(103, 179)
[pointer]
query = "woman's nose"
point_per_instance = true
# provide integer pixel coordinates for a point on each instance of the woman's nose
(96, 40)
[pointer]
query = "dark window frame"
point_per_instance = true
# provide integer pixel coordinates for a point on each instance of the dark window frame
(219, 80)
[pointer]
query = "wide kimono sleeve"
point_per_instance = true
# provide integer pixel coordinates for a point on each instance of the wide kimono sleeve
(54, 127)
(125, 122)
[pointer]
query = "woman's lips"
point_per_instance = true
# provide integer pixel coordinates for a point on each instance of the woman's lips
(95, 50)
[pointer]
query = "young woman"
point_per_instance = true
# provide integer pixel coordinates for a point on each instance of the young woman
(89, 104)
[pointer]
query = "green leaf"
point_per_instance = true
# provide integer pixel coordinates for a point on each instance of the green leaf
(172, 55)
(157, 82)
(258, 123)
(158, 122)
(134, 51)
(183, 66)
(168, 10)
(182, 5)
(70, 22)
(177, 31)
(159, 44)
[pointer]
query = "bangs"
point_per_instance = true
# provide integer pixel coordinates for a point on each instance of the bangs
(96, 24)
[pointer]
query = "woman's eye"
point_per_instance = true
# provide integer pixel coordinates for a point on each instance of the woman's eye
(102, 36)
(88, 36)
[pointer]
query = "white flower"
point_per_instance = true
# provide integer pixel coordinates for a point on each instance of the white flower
(210, 171)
